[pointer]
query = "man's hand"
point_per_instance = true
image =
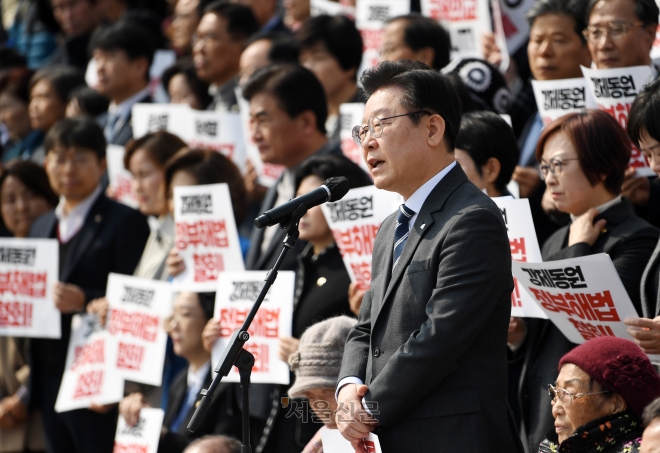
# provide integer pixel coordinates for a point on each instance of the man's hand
(636, 189)
(354, 423)
(174, 263)
(13, 412)
(102, 408)
(528, 179)
(646, 333)
(288, 345)
(68, 298)
(490, 49)
(355, 296)
(210, 334)
(517, 330)
(256, 192)
(585, 230)
(130, 407)
(99, 307)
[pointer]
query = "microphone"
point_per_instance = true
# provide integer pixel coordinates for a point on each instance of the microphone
(332, 189)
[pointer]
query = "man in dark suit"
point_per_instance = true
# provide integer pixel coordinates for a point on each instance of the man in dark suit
(123, 53)
(425, 368)
(97, 236)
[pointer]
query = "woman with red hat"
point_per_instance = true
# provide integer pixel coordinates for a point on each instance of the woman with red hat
(599, 397)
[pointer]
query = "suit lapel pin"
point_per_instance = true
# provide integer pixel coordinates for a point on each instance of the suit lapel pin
(423, 225)
(97, 218)
(321, 281)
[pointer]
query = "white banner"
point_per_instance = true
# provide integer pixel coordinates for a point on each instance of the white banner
(517, 216)
(28, 270)
(516, 28)
(121, 180)
(614, 91)
(147, 118)
(556, 98)
(583, 297)
(206, 235)
(137, 340)
(331, 8)
(235, 296)
(354, 221)
(144, 436)
(88, 377)
(351, 116)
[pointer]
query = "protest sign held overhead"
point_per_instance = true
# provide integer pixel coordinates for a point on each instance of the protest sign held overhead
(159, 117)
(331, 8)
(235, 296)
(354, 221)
(144, 436)
(205, 235)
(350, 114)
(137, 340)
(121, 180)
(556, 98)
(28, 271)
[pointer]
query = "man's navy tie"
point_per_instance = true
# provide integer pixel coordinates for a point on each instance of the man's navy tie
(401, 232)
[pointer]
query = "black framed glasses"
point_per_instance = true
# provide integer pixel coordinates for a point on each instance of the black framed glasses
(616, 29)
(375, 126)
(566, 397)
(555, 167)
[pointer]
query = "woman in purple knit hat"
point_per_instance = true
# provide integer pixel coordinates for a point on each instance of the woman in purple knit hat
(599, 396)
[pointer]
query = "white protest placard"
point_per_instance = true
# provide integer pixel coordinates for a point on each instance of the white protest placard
(205, 235)
(583, 297)
(28, 270)
(268, 174)
(235, 296)
(121, 180)
(614, 91)
(137, 340)
(516, 27)
(354, 221)
(331, 8)
(351, 115)
(147, 118)
(219, 131)
(144, 436)
(556, 98)
(524, 245)
(88, 377)
(334, 442)
(465, 20)
(370, 18)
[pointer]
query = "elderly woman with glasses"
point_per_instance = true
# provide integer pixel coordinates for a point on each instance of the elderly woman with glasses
(599, 397)
(583, 157)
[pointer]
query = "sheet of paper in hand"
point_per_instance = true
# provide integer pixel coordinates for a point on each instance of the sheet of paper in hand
(141, 438)
(137, 308)
(517, 216)
(354, 221)
(583, 297)
(28, 270)
(121, 180)
(147, 118)
(370, 19)
(235, 296)
(614, 91)
(206, 235)
(89, 378)
(219, 131)
(556, 98)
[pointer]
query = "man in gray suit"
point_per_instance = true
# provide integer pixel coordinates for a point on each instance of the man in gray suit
(425, 367)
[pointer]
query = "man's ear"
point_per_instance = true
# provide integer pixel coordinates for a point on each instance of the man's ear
(649, 33)
(491, 170)
(103, 164)
(426, 55)
(141, 65)
(436, 128)
(307, 122)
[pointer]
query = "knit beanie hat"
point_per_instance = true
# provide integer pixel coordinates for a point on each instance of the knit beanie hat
(487, 86)
(621, 367)
(317, 361)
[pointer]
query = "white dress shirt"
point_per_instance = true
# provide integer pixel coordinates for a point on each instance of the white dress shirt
(69, 224)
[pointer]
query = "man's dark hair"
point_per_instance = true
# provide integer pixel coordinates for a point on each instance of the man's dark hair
(90, 102)
(421, 32)
(64, 80)
(241, 23)
(283, 48)
(201, 6)
(10, 59)
(160, 147)
(338, 35)
(646, 10)
(424, 89)
(186, 68)
(571, 8)
(328, 166)
(127, 37)
(296, 89)
(651, 412)
(213, 443)
(16, 82)
(645, 113)
(33, 176)
(484, 135)
(76, 132)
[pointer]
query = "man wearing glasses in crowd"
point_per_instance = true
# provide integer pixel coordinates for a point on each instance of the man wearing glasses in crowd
(425, 367)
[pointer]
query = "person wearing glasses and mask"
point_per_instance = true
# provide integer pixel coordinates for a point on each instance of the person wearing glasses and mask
(599, 397)
(582, 158)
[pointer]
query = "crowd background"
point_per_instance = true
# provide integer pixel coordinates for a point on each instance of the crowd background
(295, 71)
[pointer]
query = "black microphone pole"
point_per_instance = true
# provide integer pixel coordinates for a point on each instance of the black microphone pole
(234, 354)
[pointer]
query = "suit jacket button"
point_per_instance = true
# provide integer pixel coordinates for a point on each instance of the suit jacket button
(376, 352)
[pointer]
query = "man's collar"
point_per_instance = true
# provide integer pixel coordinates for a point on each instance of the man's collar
(123, 109)
(417, 199)
(83, 207)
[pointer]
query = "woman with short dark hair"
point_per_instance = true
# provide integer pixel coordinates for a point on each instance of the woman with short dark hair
(14, 101)
(184, 87)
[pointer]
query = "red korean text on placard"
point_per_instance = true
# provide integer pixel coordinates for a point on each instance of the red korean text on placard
(362, 273)
(453, 10)
(371, 38)
(590, 331)
(261, 357)
(369, 446)
(207, 266)
(518, 249)
(265, 324)
(16, 314)
(88, 354)
(619, 112)
(638, 159)
(516, 300)
(590, 307)
(272, 171)
(129, 448)
(356, 240)
(129, 356)
(24, 283)
(123, 188)
(136, 324)
(207, 233)
(89, 384)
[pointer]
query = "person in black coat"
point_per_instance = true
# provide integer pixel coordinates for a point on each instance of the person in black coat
(97, 236)
(583, 159)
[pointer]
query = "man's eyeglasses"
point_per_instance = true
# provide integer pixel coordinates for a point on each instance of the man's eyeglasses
(567, 397)
(375, 126)
(594, 33)
(555, 167)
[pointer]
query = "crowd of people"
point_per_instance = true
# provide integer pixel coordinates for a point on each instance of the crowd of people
(71, 72)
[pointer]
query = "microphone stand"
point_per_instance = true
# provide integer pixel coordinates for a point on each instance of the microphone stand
(234, 354)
